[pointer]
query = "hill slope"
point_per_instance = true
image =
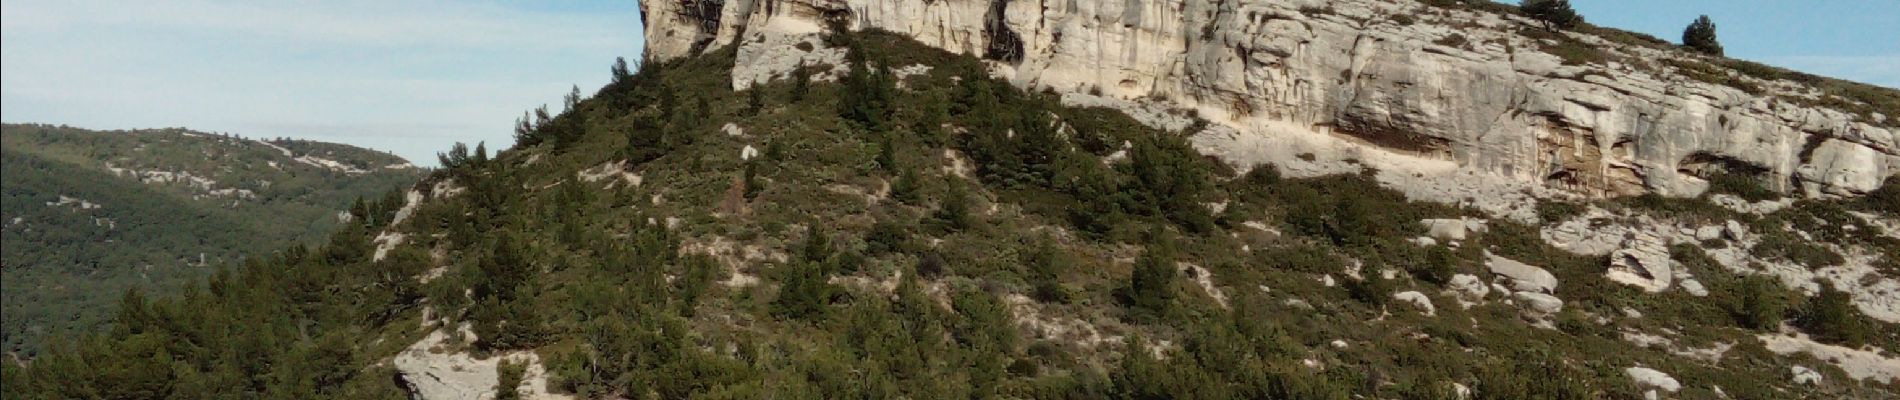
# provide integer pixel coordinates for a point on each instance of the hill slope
(920, 229)
(90, 214)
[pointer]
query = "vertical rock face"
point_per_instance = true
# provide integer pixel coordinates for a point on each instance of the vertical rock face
(1436, 86)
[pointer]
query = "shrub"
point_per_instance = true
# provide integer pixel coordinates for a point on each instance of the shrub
(507, 386)
(1438, 267)
(954, 213)
(1831, 317)
(1741, 185)
(886, 236)
(1452, 40)
(1557, 211)
(1373, 290)
(1761, 304)
(1045, 265)
(804, 292)
(1150, 292)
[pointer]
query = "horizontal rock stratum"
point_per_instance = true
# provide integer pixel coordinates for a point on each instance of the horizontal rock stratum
(1426, 87)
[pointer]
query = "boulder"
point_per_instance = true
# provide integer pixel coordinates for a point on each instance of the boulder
(1467, 289)
(1445, 229)
(1642, 261)
(1648, 377)
(1539, 304)
(1805, 376)
(1417, 299)
(1524, 277)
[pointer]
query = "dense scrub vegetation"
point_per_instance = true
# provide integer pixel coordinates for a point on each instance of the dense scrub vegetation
(791, 272)
(149, 225)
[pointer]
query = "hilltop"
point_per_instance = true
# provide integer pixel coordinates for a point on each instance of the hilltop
(887, 199)
(89, 214)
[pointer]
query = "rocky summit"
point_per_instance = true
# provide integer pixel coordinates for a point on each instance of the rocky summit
(1443, 100)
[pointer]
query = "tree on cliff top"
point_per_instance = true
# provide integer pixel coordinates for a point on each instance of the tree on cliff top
(1700, 36)
(1555, 14)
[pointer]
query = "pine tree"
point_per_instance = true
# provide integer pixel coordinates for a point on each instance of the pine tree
(1762, 304)
(620, 71)
(1700, 36)
(1831, 317)
(1555, 14)
(1150, 291)
(1045, 266)
(906, 188)
(954, 214)
(573, 99)
(755, 101)
(801, 82)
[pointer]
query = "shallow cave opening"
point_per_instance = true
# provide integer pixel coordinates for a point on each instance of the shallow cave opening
(1004, 43)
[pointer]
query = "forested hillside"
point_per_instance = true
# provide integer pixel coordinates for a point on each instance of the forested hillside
(903, 225)
(89, 214)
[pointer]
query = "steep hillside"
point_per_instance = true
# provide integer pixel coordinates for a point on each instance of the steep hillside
(889, 221)
(90, 214)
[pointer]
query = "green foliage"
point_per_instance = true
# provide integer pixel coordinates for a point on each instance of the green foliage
(1761, 304)
(67, 263)
(509, 381)
(629, 298)
(1831, 317)
(1558, 211)
(907, 188)
(953, 213)
(1700, 36)
(1532, 376)
(1555, 14)
(1151, 291)
(1741, 185)
(1045, 265)
(1886, 199)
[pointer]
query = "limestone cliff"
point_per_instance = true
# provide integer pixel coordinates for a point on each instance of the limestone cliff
(1452, 104)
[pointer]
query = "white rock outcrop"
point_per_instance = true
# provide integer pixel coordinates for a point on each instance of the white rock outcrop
(1538, 304)
(1648, 377)
(1457, 96)
(1523, 277)
(1468, 289)
(432, 373)
(1424, 304)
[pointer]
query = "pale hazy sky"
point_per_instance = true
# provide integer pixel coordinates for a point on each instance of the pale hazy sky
(414, 76)
(411, 77)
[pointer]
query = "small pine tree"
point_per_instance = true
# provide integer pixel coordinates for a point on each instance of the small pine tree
(1762, 303)
(887, 155)
(1150, 291)
(906, 188)
(507, 385)
(801, 82)
(1045, 266)
(752, 184)
(1700, 36)
(620, 71)
(1555, 14)
(1831, 317)
(954, 214)
(755, 101)
(573, 99)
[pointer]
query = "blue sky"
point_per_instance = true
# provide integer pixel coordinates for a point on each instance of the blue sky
(414, 76)
(1852, 39)
(411, 77)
